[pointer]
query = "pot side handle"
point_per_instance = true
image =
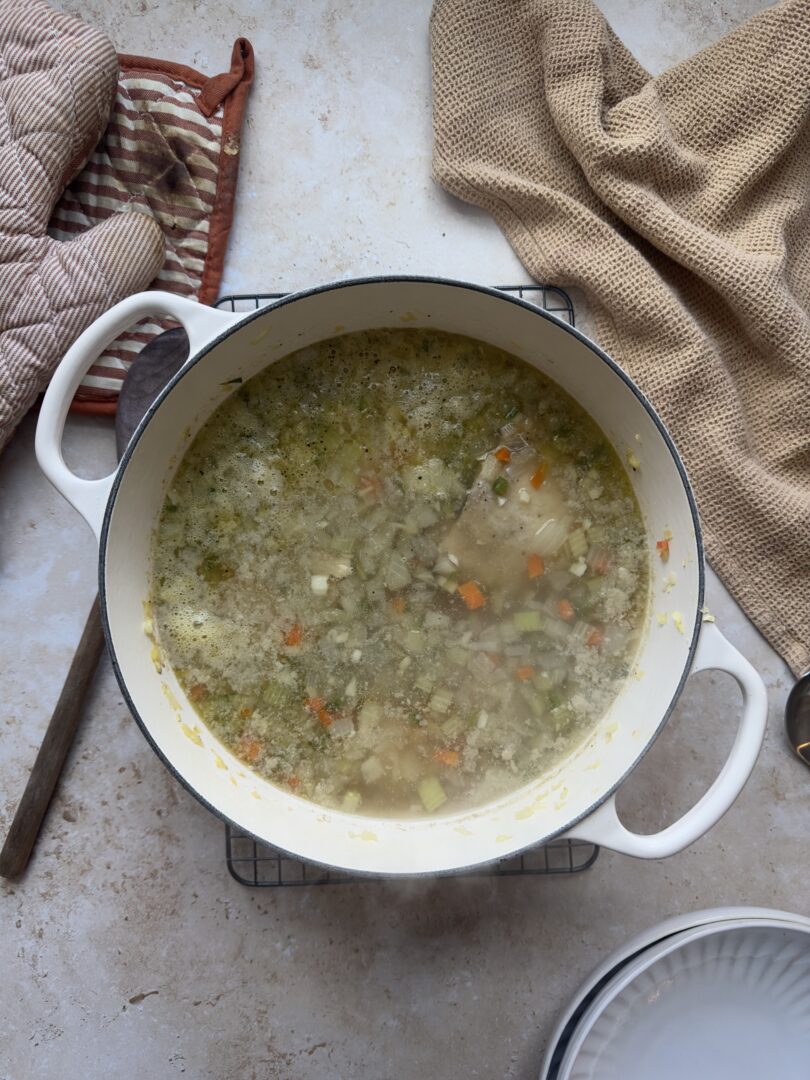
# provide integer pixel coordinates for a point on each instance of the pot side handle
(603, 825)
(201, 323)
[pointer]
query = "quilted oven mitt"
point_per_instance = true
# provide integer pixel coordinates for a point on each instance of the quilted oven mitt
(57, 84)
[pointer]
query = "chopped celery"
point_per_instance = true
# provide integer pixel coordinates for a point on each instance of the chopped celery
(437, 620)
(527, 622)
(276, 697)
(372, 769)
(397, 575)
(425, 516)
(352, 801)
(445, 565)
(441, 701)
(578, 543)
(413, 641)
(214, 571)
(424, 683)
(348, 456)
(535, 700)
(508, 633)
(431, 793)
(452, 726)
(369, 716)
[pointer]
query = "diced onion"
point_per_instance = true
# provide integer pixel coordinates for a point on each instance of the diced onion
(550, 537)
(444, 565)
(372, 769)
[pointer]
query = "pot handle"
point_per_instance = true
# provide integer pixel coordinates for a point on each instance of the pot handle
(603, 825)
(200, 322)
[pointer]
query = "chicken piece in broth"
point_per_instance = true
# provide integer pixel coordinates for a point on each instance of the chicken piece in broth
(503, 523)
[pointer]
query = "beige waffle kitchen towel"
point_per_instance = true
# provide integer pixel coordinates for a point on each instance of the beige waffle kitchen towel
(681, 205)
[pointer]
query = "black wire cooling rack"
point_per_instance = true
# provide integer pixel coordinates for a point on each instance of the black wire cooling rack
(256, 864)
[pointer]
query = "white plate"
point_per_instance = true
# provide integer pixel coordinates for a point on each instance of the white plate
(607, 970)
(726, 1001)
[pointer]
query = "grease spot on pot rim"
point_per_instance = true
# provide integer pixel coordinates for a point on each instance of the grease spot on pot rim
(172, 700)
(529, 811)
(194, 736)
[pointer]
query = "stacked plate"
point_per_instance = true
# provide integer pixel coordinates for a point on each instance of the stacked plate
(722, 994)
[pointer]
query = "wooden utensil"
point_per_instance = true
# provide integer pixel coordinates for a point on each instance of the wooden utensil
(57, 741)
(154, 367)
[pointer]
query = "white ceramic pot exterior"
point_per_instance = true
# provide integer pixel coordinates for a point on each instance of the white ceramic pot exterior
(577, 798)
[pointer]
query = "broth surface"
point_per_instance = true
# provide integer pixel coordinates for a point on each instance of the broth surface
(400, 572)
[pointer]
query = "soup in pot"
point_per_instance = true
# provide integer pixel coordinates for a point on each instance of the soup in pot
(400, 572)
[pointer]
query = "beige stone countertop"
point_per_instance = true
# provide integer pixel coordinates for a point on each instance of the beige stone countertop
(127, 950)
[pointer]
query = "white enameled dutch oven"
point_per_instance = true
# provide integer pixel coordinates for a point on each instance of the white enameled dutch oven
(578, 799)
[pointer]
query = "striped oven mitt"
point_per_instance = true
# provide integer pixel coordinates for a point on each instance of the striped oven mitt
(171, 150)
(58, 80)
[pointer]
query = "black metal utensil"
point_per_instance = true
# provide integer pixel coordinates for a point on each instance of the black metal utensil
(797, 717)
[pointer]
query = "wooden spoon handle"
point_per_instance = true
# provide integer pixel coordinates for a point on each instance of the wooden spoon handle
(55, 745)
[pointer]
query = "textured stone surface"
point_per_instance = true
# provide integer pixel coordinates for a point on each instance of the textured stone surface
(127, 950)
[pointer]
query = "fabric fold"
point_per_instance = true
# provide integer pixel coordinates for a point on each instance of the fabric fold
(679, 204)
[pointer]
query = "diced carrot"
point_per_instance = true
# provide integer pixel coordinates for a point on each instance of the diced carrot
(293, 782)
(317, 706)
(246, 712)
(472, 595)
(600, 564)
(504, 454)
(446, 757)
(494, 658)
(565, 610)
(538, 476)
(524, 673)
(535, 566)
(399, 604)
(198, 692)
(595, 638)
(369, 487)
(249, 749)
(663, 549)
(295, 635)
